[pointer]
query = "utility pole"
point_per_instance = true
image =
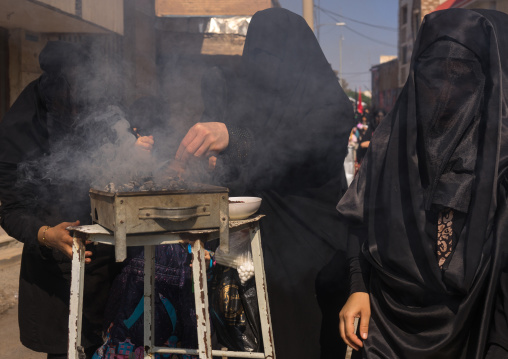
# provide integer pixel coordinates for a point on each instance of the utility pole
(340, 57)
(308, 12)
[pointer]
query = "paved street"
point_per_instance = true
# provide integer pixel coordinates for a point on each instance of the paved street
(10, 256)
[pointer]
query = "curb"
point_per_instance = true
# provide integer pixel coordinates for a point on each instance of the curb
(10, 250)
(5, 240)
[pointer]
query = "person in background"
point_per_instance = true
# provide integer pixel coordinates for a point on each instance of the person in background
(379, 115)
(367, 134)
(36, 209)
(282, 135)
(364, 133)
(428, 210)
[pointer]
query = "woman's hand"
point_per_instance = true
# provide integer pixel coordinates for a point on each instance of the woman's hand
(145, 143)
(58, 237)
(203, 139)
(365, 144)
(357, 306)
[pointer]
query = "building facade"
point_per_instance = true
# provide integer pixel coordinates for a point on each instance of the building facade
(145, 38)
(500, 5)
(26, 26)
(385, 87)
(411, 14)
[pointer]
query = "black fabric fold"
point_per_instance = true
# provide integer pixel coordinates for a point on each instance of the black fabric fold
(289, 123)
(442, 146)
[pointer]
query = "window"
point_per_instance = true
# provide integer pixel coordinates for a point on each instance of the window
(416, 23)
(403, 54)
(403, 15)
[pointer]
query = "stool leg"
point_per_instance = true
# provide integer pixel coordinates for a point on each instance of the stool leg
(76, 298)
(149, 287)
(262, 293)
(201, 300)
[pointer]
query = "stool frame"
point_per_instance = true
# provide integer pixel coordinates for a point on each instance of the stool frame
(196, 238)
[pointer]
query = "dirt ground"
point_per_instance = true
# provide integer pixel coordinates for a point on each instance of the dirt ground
(10, 259)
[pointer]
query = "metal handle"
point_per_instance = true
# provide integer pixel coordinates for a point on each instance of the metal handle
(174, 213)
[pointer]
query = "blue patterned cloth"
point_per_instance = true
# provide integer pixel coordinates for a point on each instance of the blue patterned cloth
(175, 315)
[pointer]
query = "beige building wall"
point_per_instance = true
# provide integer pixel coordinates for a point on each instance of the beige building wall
(411, 14)
(68, 6)
(34, 22)
(210, 7)
(500, 5)
(24, 49)
(139, 49)
(107, 14)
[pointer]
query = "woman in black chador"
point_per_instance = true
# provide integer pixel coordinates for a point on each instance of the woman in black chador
(282, 136)
(43, 190)
(428, 211)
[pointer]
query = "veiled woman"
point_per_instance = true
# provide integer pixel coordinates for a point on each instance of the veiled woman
(282, 135)
(46, 141)
(428, 209)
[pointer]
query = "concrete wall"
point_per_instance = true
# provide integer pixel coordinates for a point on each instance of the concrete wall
(139, 50)
(210, 7)
(68, 6)
(107, 14)
(500, 5)
(411, 14)
(4, 72)
(385, 87)
(24, 49)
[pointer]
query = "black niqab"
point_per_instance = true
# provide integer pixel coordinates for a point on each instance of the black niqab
(441, 147)
(41, 120)
(290, 102)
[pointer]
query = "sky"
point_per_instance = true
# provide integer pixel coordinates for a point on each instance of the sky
(362, 45)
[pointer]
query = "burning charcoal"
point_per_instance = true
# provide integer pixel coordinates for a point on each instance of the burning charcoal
(144, 184)
(110, 188)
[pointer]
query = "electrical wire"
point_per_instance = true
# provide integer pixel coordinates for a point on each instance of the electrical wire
(355, 73)
(370, 38)
(353, 20)
(330, 13)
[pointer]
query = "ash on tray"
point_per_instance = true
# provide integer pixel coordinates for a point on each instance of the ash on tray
(148, 184)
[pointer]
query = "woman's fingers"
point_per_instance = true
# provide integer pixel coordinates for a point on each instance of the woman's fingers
(189, 137)
(351, 336)
(357, 306)
(212, 162)
(59, 237)
(342, 329)
(193, 148)
(145, 143)
(205, 148)
(203, 139)
(344, 332)
(363, 328)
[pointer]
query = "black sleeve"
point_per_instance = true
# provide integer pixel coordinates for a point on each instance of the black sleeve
(231, 162)
(359, 267)
(15, 218)
(240, 143)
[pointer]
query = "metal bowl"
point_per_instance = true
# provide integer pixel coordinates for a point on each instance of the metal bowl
(245, 207)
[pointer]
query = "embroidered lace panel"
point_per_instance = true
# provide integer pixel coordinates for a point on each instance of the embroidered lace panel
(444, 235)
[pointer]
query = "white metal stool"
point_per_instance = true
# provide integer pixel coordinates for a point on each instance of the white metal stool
(197, 238)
